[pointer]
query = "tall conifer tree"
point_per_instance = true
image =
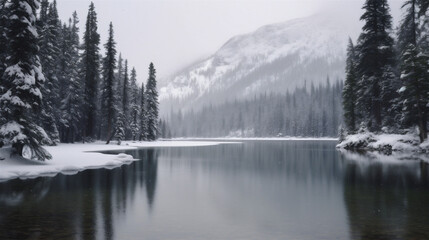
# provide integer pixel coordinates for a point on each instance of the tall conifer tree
(134, 111)
(3, 37)
(152, 105)
(90, 71)
(108, 91)
(376, 61)
(350, 88)
(21, 97)
(143, 115)
(72, 103)
(414, 67)
(50, 39)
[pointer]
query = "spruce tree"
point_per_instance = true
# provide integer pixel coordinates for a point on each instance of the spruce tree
(108, 91)
(376, 57)
(21, 97)
(143, 115)
(49, 41)
(415, 87)
(414, 69)
(3, 53)
(90, 72)
(120, 128)
(3, 37)
(349, 90)
(72, 103)
(151, 105)
(134, 111)
(125, 99)
(120, 78)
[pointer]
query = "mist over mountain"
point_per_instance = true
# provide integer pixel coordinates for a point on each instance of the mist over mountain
(274, 58)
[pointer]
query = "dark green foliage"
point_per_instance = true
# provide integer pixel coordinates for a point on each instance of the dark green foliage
(120, 128)
(74, 104)
(143, 116)
(376, 56)
(90, 72)
(134, 111)
(125, 90)
(414, 69)
(20, 96)
(50, 31)
(126, 99)
(415, 89)
(4, 43)
(151, 108)
(108, 92)
(72, 91)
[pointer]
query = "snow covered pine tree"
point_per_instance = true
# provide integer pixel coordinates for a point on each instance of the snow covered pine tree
(20, 95)
(152, 105)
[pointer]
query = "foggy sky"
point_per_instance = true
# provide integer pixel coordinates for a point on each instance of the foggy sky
(175, 33)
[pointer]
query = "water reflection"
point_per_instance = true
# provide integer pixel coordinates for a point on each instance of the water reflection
(254, 190)
(386, 196)
(82, 206)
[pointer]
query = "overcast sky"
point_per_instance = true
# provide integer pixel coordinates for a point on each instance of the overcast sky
(175, 33)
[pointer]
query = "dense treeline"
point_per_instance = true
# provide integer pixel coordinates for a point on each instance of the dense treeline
(54, 88)
(387, 82)
(308, 111)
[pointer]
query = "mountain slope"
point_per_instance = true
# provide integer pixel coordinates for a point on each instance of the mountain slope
(274, 58)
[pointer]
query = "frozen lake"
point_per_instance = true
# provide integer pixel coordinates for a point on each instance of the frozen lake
(255, 190)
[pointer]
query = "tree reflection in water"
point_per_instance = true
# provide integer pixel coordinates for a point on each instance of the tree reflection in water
(386, 197)
(82, 206)
(301, 190)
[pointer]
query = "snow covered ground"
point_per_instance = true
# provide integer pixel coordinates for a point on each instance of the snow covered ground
(73, 158)
(384, 143)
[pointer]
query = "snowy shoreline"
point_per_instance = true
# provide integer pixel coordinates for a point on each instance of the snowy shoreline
(70, 159)
(257, 139)
(384, 143)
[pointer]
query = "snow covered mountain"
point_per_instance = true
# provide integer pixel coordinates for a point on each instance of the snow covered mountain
(274, 58)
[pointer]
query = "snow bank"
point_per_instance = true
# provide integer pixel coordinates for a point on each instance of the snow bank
(73, 158)
(387, 143)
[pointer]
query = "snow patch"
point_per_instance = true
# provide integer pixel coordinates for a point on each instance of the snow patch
(387, 143)
(70, 159)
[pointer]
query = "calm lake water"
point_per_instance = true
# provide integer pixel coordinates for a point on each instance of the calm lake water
(255, 190)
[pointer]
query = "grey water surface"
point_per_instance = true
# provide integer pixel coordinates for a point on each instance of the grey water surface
(254, 190)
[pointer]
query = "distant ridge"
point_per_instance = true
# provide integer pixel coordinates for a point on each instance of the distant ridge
(274, 58)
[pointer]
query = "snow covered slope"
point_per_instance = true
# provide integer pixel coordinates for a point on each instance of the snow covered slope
(275, 57)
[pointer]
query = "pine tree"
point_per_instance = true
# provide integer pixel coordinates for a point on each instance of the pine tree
(414, 67)
(350, 88)
(43, 15)
(108, 97)
(125, 99)
(134, 113)
(3, 37)
(120, 78)
(90, 71)
(143, 115)
(376, 55)
(4, 43)
(50, 25)
(414, 92)
(71, 104)
(120, 128)
(152, 105)
(21, 96)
